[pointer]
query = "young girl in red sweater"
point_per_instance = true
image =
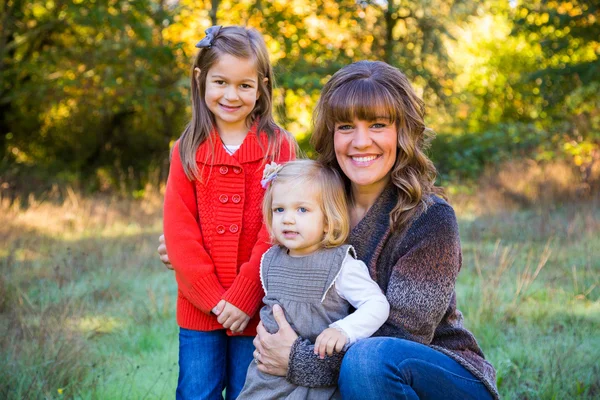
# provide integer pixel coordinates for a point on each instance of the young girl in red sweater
(212, 211)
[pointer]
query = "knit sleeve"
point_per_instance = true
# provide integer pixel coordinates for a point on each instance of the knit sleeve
(423, 278)
(309, 370)
(246, 291)
(194, 269)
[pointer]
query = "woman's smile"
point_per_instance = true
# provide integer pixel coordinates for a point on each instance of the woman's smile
(366, 151)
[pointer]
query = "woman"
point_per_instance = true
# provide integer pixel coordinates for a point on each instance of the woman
(369, 126)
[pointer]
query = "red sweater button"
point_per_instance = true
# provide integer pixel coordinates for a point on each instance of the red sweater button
(237, 170)
(220, 229)
(233, 228)
(223, 198)
(223, 170)
(236, 198)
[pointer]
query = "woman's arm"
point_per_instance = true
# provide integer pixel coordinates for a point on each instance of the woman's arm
(422, 280)
(275, 354)
(162, 252)
(273, 350)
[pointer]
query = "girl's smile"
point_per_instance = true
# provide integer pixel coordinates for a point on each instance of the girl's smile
(231, 92)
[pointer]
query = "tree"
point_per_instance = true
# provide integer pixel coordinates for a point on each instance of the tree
(88, 90)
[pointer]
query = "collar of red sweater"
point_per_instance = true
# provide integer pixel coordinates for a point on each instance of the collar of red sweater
(212, 151)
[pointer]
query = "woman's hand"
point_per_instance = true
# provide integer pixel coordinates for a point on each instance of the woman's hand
(162, 252)
(272, 352)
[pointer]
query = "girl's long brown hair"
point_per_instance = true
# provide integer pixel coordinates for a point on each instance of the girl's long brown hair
(241, 43)
(368, 90)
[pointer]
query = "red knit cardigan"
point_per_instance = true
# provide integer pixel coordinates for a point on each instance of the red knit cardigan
(214, 229)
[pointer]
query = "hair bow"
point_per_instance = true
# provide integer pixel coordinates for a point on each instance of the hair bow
(211, 32)
(270, 173)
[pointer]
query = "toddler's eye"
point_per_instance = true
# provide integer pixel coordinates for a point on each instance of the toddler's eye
(278, 210)
(302, 209)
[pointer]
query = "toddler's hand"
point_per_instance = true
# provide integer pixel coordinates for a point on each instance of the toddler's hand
(233, 318)
(329, 341)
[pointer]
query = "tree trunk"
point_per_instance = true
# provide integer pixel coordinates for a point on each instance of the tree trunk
(213, 11)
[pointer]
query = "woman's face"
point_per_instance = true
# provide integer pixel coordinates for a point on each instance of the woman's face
(366, 151)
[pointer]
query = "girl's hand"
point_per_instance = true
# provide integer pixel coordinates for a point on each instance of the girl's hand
(272, 352)
(329, 341)
(162, 252)
(232, 317)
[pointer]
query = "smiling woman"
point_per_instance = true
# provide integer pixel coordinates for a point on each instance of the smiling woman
(366, 151)
(369, 127)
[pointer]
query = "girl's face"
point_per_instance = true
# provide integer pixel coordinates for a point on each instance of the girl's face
(366, 151)
(298, 220)
(231, 91)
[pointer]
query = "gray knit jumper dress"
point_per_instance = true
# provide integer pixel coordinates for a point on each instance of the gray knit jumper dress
(303, 287)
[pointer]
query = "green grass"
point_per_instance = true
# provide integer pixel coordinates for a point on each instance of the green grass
(88, 312)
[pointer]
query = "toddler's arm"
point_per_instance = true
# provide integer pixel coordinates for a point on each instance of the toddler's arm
(372, 308)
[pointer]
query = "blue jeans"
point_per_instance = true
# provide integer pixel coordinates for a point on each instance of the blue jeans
(391, 368)
(210, 362)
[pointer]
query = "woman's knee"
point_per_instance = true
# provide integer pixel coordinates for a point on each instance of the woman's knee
(364, 358)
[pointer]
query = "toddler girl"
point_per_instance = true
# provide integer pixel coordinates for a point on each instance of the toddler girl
(311, 274)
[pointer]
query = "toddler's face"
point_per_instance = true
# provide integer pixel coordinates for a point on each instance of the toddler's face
(298, 220)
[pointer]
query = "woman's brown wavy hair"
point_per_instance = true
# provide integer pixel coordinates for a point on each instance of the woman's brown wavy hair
(242, 43)
(368, 90)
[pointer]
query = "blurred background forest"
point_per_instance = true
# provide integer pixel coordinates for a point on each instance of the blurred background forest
(93, 93)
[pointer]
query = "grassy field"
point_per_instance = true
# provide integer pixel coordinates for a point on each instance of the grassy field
(87, 310)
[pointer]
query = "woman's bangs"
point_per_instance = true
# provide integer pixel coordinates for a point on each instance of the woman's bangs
(364, 100)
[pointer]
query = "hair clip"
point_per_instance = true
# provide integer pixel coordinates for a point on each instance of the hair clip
(207, 42)
(270, 173)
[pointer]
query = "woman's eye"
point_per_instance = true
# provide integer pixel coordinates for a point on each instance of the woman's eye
(379, 125)
(344, 127)
(220, 82)
(245, 86)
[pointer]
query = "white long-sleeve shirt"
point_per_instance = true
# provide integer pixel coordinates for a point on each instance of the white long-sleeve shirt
(354, 284)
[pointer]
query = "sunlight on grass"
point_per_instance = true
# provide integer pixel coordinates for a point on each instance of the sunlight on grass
(96, 324)
(86, 307)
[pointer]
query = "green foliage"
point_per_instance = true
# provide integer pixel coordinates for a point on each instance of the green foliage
(568, 33)
(461, 158)
(85, 88)
(95, 92)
